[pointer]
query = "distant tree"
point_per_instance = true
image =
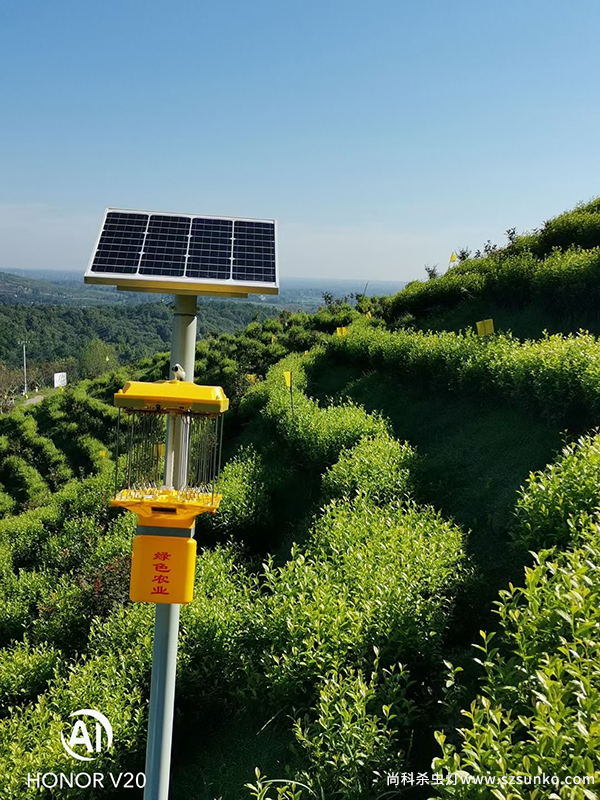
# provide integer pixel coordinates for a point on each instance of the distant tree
(10, 380)
(96, 358)
(511, 235)
(463, 253)
(432, 272)
(327, 299)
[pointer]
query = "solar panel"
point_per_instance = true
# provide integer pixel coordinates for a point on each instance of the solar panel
(184, 253)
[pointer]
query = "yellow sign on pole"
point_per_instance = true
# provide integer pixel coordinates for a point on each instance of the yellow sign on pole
(368, 315)
(158, 450)
(342, 331)
(485, 327)
(162, 569)
(287, 376)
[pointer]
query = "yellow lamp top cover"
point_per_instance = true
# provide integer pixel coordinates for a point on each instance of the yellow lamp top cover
(172, 396)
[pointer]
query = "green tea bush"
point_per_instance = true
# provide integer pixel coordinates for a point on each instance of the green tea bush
(579, 227)
(93, 417)
(63, 616)
(351, 736)
(21, 429)
(66, 548)
(539, 706)
(25, 672)
(7, 504)
(317, 434)
(91, 455)
(24, 482)
(379, 468)
(21, 594)
(419, 297)
(28, 532)
(371, 576)
(115, 682)
(244, 506)
(559, 267)
(558, 376)
(217, 637)
(557, 503)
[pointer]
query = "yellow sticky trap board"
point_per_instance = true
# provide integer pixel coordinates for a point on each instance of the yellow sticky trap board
(485, 327)
(287, 376)
(341, 331)
(368, 315)
(162, 569)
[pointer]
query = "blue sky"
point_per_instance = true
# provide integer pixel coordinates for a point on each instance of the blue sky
(380, 135)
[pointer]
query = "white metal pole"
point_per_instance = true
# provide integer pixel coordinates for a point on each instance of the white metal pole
(24, 367)
(166, 625)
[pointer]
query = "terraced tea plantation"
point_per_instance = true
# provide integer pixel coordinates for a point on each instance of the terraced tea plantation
(403, 578)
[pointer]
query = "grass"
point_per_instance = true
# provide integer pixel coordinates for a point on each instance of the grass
(527, 322)
(221, 757)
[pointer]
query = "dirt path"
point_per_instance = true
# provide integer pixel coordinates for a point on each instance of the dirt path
(37, 398)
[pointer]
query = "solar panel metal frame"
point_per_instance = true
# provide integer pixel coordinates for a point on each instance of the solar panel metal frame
(174, 284)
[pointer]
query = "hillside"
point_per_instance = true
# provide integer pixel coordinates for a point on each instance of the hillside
(546, 280)
(62, 332)
(429, 489)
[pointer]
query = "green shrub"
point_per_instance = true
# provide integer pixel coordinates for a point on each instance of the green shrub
(351, 737)
(28, 532)
(215, 630)
(7, 504)
(379, 467)
(91, 455)
(64, 616)
(580, 227)
(539, 706)
(317, 434)
(30, 741)
(245, 497)
(557, 376)
(24, 482)
(25, 672)
(21, 595)
(370, 576)
(559, 266)
(557, 503)
(66, 548)
(21, 428)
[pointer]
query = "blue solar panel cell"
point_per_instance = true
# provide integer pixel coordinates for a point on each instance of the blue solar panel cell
(253, 251)
(165, 246)
(210, 249)
(120, 244)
